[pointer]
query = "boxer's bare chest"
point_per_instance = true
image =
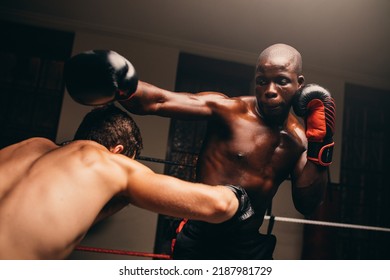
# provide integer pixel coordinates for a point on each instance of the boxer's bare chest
(249, 153)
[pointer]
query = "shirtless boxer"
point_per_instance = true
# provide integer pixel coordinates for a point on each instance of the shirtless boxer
(251, 141)
(50, 195)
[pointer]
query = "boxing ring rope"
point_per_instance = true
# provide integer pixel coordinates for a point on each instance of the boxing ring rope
(151, 159)
(328, 224)
(282, 219)
(266, 217)
(122, 252)
(271, 218)
(275, 218)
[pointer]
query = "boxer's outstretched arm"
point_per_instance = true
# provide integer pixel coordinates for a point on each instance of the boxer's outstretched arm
(149, 99)
(166, 194)
(98, 77)
(174, 197)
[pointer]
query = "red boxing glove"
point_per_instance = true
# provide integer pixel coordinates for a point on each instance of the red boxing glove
(317, 106)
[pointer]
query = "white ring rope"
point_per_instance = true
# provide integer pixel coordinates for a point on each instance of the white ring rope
(329, 224)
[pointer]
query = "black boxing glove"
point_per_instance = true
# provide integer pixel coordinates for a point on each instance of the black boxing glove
(98, 77)
(245, 210)
(317, 106)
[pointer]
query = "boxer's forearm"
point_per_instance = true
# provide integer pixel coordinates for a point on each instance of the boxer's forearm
(308, 188)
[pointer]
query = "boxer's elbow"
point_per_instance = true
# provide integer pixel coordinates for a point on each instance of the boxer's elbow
(307, 209)
(307, 204)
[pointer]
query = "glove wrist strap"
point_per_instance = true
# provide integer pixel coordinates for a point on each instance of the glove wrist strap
(320, 152)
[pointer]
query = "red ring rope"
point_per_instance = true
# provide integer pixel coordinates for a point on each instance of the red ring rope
(122, 252)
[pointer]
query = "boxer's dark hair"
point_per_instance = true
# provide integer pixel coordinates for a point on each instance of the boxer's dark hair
(110, 126)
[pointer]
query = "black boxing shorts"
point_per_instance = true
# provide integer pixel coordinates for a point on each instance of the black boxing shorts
(235, 239)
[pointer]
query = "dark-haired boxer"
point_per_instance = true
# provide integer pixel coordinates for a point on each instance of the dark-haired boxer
(50, 195)
(252, 141)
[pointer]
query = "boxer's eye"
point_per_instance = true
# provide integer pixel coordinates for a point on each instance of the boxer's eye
(261, 81)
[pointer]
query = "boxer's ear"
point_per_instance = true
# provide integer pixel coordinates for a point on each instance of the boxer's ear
(117, 149)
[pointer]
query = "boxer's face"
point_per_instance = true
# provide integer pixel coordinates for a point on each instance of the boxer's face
(276, 83)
